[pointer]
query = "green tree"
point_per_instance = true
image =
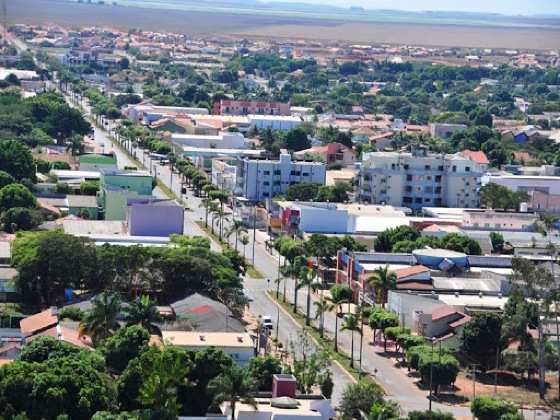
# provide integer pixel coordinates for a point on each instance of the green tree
(481, 338)
(340, 294)
(143, 311)
(307, 279)
(20, 218)
(233, 386)
(439, 369)
(89, 187)
(385, 240)
(262, 369)
(125, 345)
(322, 306)
(488, 408)
(352, 324)
(16, 160)
(6, 179)
(16, 195)
(380, 320)
(41, 349)
(236, 228)
(430, 415)
(100, 322)
(303, 191)
(296, 139)
(497, 240)
(359, 397)
(382, 281)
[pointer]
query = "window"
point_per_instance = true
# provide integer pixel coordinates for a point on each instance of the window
(305, 174)
(292, 172)
(438, 178)
(454, 168)
(392, 166)
(467, 168)
(276, 183)
(418, 200)
(266, 183)
(409, 177)
(427, 167)
(440, 168)
(406, 167)
(267, 172)
(265, 194)
(277, 172)
(407, 200)
(427, 200)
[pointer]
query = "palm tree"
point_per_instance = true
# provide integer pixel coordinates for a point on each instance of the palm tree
(244, 241)
(233, 386)
(220, 214)
(75, 145)
(143, 311)
(294, 270)
(340, 294)
(351, 323)
(307, 279)
(321, 307)
(236, 228)
(222, 196)
(383, 280)
(101, 320)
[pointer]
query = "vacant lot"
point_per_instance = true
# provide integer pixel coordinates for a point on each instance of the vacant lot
(205, 23)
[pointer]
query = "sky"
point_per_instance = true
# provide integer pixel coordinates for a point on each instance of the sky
(509, 7)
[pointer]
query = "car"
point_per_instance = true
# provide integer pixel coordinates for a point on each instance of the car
(266, 321)
(248, 295)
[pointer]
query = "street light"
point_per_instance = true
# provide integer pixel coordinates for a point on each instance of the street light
(431, 374)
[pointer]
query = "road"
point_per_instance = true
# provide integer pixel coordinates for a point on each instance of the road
(398, 385)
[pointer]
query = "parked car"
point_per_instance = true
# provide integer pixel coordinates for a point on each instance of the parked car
(266, 321)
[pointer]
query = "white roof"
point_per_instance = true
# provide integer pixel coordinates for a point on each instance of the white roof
(68, 174)
(274, 117)
(208, 339)
(473, 300)
(375, 224)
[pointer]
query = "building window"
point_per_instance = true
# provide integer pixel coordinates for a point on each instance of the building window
(427, 167)
(440, 168)
(418, 200)
(409, 177)
(265, 194)
(305, 174)
(407, 200)
(454, 168)
(266, 172)
(266, 183)
(277, 172)
(438, 178)
(406, 167)
(276, 183)
(467, 168)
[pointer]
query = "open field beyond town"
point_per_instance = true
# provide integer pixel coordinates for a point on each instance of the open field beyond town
(207, 23)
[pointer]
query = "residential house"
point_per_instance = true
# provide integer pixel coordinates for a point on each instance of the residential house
(231, 107)
(154, 217)
(331, 153)
(444, 130)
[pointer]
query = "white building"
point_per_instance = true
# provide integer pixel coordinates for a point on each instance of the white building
(528, 183)
(150, 113)
(420, 179)
(259, 180)
(239, 346)
(444, 130)
(274, 122)
(224, 140)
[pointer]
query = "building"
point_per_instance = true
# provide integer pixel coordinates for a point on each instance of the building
(84, 206)
(224, 140)
(498, 220)
(97, 162)
(258, 180)
(420, 179)
(230, 107)
(149, 113)
(331, 153)
(274, 122)
(154, 217)
(239, 346)
(444, 130)
(117, 187)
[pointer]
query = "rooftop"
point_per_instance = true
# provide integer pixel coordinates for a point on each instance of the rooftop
(208, 339)
(39, 322)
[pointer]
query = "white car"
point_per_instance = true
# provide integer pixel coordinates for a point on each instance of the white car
(266, 322)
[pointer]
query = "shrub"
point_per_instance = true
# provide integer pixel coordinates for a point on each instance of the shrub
(71, 312)
(488, 408)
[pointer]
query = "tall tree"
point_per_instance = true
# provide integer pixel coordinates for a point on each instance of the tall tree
(383, 280)
(100, 322)
(233, 386)
(352, 324)
(340, 294)
(143, 311)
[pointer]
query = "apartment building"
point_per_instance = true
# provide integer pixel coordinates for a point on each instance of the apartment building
(421, 179)
(259, 180)
(229, 107)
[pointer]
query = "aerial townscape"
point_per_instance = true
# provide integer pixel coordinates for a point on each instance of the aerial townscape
(245, 210)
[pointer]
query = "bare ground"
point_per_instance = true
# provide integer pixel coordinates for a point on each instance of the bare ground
(206, 23)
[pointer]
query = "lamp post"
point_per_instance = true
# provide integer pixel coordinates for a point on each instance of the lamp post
(431, 374)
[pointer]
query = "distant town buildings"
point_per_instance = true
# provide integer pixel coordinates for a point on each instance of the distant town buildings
(230, 107)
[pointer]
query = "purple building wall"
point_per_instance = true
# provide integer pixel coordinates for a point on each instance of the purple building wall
(155, 218)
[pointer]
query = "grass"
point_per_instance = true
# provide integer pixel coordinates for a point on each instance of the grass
(324, 343)
(251, 270)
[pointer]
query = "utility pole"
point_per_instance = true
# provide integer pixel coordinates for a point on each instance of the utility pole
(542, 389)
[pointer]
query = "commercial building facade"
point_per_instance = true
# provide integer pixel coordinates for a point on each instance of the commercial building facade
(229, 107)
(420, 179)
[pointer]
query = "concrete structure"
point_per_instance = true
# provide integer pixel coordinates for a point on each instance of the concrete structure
(444, 131)
(259, 180)
(498, 220)
(137, 181)
(224, 140)
(150, 113)
(84, 206)
(329, 154)
(203, 157)
(230, 107)
(224, 173)
(274, 122)
(154, 217)
(239, 346)
(420, 179)
(117, 187)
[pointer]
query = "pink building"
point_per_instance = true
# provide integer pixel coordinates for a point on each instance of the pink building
(229, 107)
(542, 202)
(498, 220)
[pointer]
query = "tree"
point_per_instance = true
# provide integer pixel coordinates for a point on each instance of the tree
(296, 139)
(385, 240)
(430, 415)
(50, 262)
(6, 179)
(75, 145)
(303, 191)
(236, 228)
(41, 349)
(20, 218)
(89, 187)
(481, 338)
(321, 307)
(488, 408)
(125, 345)
(262, 369)
(382, 281)
(439, 369)
(380, 320)
(143, 311)
(16, 195)
(497, 240)
(307, 279)
(352, 324)
(16, 160)
(359, 397)
(100, 322)
(233, 386)
(340, 294)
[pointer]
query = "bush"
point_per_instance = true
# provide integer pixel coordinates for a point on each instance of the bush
(429, 415)
(89, 187)
(488, 408)
(359, 397)
(125, 345)
(71, 312)
(16, 195)
(441, 368)
(61, 165)
(62, 188)
(20, 218)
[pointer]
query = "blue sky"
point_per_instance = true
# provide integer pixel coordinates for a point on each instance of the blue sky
(510, 7)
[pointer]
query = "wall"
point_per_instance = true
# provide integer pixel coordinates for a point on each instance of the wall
(318, 220)
(406, 305)
(138, 183)
(155, 219)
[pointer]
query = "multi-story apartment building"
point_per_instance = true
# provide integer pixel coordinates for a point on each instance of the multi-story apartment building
(229, 107)
(259, 180)
(421, 179)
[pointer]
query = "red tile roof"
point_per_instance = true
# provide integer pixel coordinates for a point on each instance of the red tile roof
(410, 271)
(443, 312)
(38, 322)
(477, 156)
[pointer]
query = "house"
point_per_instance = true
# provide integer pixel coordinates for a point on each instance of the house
(330, 154)
(445, 130)
(444, 323)
(224, 140)
(239, 346)
(526, 134)
(117, 187)
(498, 220)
